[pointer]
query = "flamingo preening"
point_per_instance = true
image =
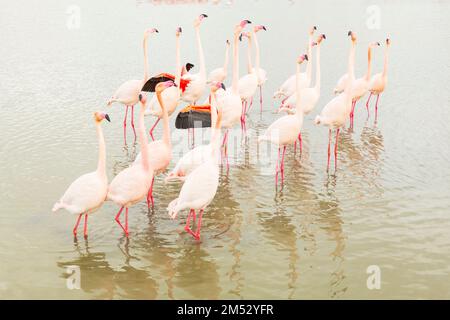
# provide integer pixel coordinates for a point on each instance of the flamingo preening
(378, 82)
(87, 193)
(287, 129)
(336, 112)
(128, 92)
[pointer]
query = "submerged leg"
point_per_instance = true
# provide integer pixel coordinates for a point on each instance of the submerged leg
(76, 225)
(277, 168)
(187, 227)
(367, 105)
(300, 140)
(125, 125)
(153, 128)
(260, 98)
(150, 195)
(118, 220)
(329, 149)
(85, 231)
(376, 106)
(199, 225)
(335, 149)
(132, 122)
(282, 165)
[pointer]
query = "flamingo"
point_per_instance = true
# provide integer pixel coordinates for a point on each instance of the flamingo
(220, 74)
(260, 72)
(249, 82)
(309, 96)
(378, 82)
(170, 96)
(197, 82)
(128, 92)
(200, 186)
(335, 112)
(230, 102)
(286, 130)
(288, 87)
(87, 193)
(159, 152)
(195, 157)
(131, 185)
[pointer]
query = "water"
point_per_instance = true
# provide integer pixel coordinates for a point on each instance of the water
(387, 205)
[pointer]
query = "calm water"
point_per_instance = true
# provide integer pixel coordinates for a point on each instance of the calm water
(387, 205)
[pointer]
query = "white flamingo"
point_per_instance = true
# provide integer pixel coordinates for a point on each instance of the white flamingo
(128, 92)
(195, 157)
(378, 82)
(249, 82)
(286, 130)
(131, 185)
(87, 193)
(200, 187)
(220, 74)
(197, 81)
(336, 112)
(230, 102)
(287, 89)
(170, 96)
(309, 96)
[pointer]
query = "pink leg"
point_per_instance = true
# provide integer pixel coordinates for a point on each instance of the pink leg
(76, 225)
(282, 165)
(187, 227)
(300, 140)
(367, 105)
(199, 226)
(193, 137)
(125, 126)
(85, 226)
(153, 128)
(329, 149)
(126, 221)
(352, 114)
(260, 98)
(295, 147)
(150, 195)
(118, 220)
(335, 149)
(277, 168)
(132, 122)
(251, 104)
(376, 106)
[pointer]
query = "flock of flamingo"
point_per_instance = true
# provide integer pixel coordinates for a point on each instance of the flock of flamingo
(199, 168)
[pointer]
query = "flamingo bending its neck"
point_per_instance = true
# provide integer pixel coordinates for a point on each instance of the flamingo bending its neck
(87, 193)
(128, 92)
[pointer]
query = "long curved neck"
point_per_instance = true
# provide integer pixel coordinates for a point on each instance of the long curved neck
(309, 66)
(101, 166)
(200, 51)
(249, 55)
(317, 85)
(258, 58)
(235, 87)
(350, 70)
(386, 56)
(298, 108)
(369, 63)
(166, 128)
(145, 59)
(178, 63)
(213, 117)
(143, 140)
(227, 53)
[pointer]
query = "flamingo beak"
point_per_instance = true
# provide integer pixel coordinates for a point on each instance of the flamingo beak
(240, 37)
(349, 33)
(107, 117)
(223, 86)
(323, 36)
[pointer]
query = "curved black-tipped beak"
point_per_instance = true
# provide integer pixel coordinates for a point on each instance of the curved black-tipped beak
(349, 33)
(156, 30)
(306, 57)
(315, 27)
(240, 37)
(204, 15)
(140, 97)
(248, 21)
(180, 29)
(264, 28)
(323, 35)
(189, 66)
(223, 86)
(107, 118)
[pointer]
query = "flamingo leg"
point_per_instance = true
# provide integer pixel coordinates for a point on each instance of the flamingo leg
(118, 220)
(126, 221)
(376, 106)
(295, 147)
(199, 226)
(76, 225)
(85, 231)
(125, 126)
(187, 227)
(352, 113)
(367, 105)
(193, 137)
(251, 104)
(335, 149)
(153, 128)
(277, 168)
(282, 165)
(150, 195)
(132, 122)
(329, 149)
(300, 140)
(260, 98)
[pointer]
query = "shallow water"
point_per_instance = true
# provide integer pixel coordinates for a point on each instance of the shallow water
(387, 204)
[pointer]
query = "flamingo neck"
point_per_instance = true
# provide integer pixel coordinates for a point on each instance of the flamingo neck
(178, 63)
(145, 59)
(351, 74)
(101, 166)
(249, 55)
(166, 128)
(200, 52)
(258, 57)
(298, 108)
(235, 87)
(386, 56)
(317, 85)
(143, 140)
(309, 65)
(215, 132)
(369, 64)
(225, 64)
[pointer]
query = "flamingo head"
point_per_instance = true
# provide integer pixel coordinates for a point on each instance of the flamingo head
(160, 87)
(352, 35)
(388, 41)
(199, 19)
(143, 98)
(320, 38)
(100, 116)
(374, 44)
(228, 43)
(241, 26)
(302, 58)
(259, 28)
(312, 30)
(217, 85)
(189, 66)
(150, 31)
(245, 34)
(178, 32)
